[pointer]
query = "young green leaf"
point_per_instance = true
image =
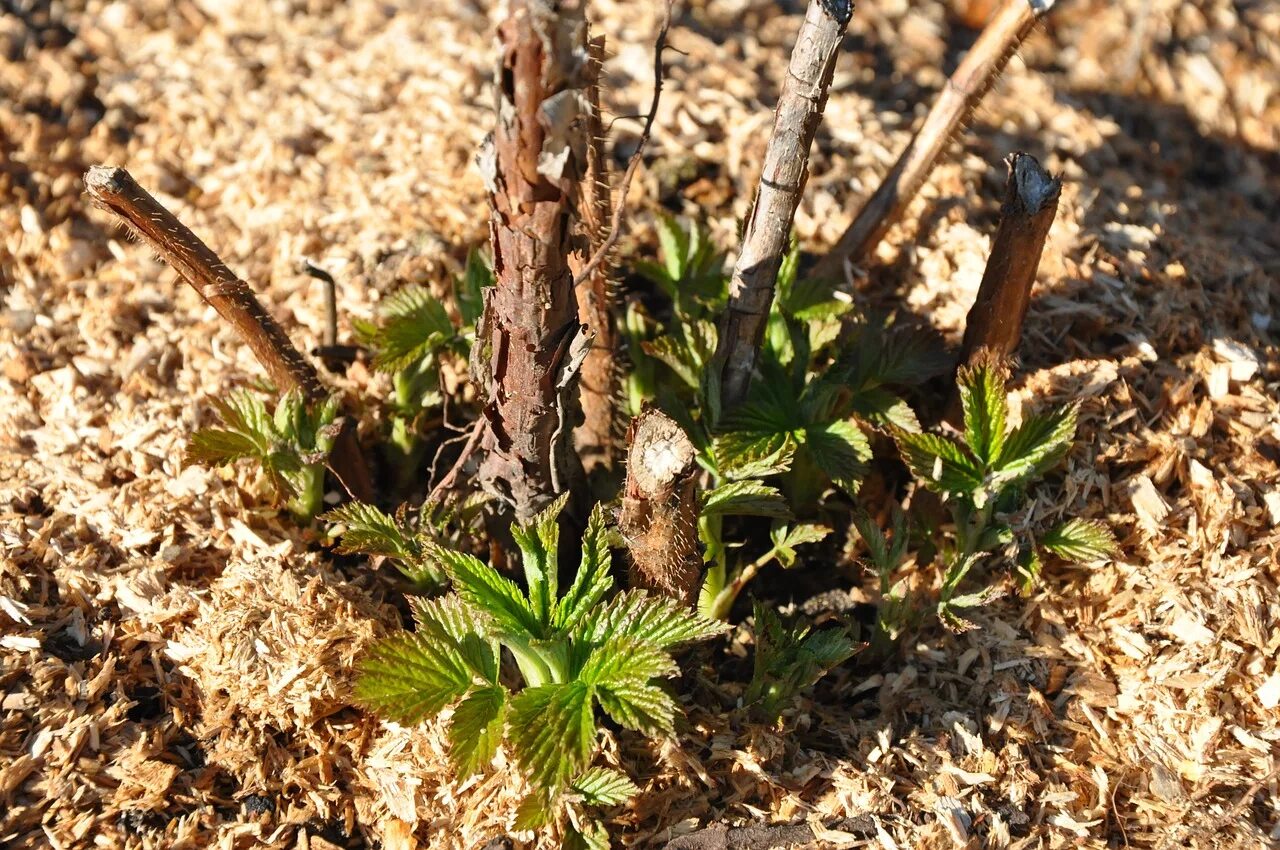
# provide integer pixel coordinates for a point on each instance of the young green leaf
(538, 540)
(1081, 540)
(365, 530)
(982, 396)
(788, 660)
(409, 678)
(938, 463)
(477, 728)
(841, 450)
(787, 537)
(1037, 445)
(593, 580)
(553, 731)
(601, 786)
(745, 498)
(640, 616)
(482, 589)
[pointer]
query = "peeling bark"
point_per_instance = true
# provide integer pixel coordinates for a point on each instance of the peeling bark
(977, 72)
(659, 516)
(530, 345)
(115, 190)
(598, 437)
(786, 167)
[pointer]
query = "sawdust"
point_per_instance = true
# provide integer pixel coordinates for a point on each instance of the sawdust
(174, 657)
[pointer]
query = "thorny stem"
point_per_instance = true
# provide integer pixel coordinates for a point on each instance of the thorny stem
(964, 90)
(767, 235)
(597, 436)
(529, 344)
(115, 190)
(659, 516)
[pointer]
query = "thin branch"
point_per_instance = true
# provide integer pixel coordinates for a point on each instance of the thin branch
(115, 190)
(451, 477)
(620, 205)
(786, 168)
(964, 90)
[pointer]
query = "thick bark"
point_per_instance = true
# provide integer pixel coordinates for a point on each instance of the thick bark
(115, 190)
(786, 165)
(530, 345)
(964, 90)
(1030, 204)
(659, 516)
(597, 437)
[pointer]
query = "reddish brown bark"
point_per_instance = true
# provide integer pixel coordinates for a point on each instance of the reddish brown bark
(530, 344)
(115, 190)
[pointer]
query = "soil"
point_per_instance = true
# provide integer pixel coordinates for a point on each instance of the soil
(175, 654)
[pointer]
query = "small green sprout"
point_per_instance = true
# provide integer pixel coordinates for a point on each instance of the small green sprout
(790, 659)
(291, 444)
(577, 652)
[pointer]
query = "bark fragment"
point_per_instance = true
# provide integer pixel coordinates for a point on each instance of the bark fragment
(786, 167)
(659, 516)
(115, 190)
(530, 345)
(977, 72)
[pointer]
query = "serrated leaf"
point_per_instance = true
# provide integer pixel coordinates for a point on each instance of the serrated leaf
(882, 408)
(448, 622)
(638, 705)
(647, 618)
(673, 243)
(477, 729)
(982, 396)
(938, 463)
(216, 447)
(786, 537)
(483, 589)
(601, 786)
(841, 450)
(1036, 445)
(621, 660)
(369, 531)
(594, 580)
(906, 356)
(536, 810)
(745, 498)
(538, 540)
(409, 678)
(553, 732)
(748, 454)
(589, 834)
(415, 326)
(1081, 540)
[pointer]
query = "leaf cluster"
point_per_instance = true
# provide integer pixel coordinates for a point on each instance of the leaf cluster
(290, 444)
(579, 651)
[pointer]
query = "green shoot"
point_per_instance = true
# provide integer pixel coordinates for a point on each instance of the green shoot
(789, 660)
(886, 555)
(579, 652)
(984, 474)
(291, 444)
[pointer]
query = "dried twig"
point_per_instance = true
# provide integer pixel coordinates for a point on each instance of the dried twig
(450, 478)
(1030, 204)
(597, 437)
(994, 324)
(620, 207)
(114, 190)
(786, 163)
(966, 87)
(530, 345)
(659, 516)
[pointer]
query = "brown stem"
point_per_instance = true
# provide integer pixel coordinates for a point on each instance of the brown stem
(966, 87)
(115, 190)
(597, 437)
(530, 344)
(768, 232)
(659, 516)
(1030, 204)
